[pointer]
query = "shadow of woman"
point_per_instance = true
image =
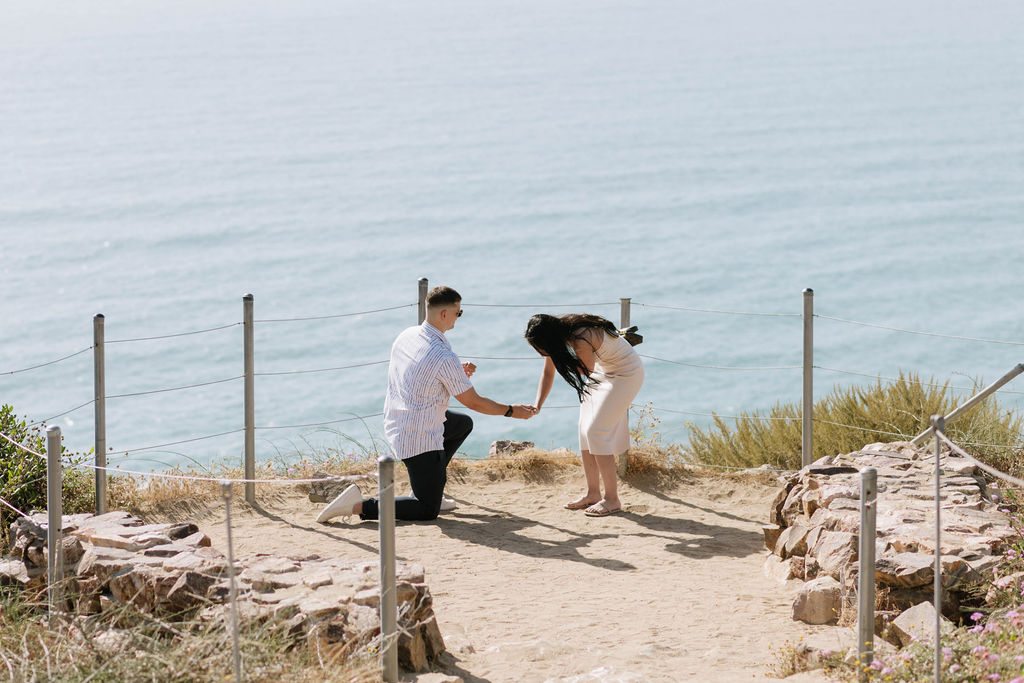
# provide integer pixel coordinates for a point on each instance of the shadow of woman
(502, 531)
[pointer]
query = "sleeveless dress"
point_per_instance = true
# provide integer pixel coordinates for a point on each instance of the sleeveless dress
(604, 412)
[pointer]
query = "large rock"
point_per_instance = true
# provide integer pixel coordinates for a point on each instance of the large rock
(816, 515)
(503, 448)
(918, 623)
(819, 601)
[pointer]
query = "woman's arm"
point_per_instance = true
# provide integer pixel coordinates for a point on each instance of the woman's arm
(547, 377)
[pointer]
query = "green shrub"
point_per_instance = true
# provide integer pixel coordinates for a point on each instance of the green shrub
(847, 419)
(23, 474)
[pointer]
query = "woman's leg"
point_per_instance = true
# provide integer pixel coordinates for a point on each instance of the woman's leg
(593, 477)
(606, 465)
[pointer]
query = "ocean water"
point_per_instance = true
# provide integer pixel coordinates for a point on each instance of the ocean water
(160, 160)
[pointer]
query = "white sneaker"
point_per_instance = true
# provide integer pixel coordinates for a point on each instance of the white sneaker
(448, 504)
(343, 505)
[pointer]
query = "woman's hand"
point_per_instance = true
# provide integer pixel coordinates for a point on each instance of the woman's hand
(469, 369)
(522, 412)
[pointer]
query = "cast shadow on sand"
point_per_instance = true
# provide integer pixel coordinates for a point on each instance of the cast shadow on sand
(696, 539)
(324, 529)
(501, 530)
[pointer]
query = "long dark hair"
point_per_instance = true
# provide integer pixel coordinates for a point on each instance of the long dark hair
(551, 334)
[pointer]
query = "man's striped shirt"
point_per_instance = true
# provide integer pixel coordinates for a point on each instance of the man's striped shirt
(424, 373)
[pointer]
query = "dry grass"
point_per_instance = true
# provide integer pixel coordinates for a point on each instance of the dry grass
(123, 644)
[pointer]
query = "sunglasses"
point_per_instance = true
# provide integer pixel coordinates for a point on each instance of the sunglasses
(459, 314)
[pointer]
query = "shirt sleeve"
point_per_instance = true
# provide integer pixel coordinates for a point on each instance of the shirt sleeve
(453, 376)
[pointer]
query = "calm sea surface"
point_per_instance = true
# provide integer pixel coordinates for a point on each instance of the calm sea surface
(160, 160)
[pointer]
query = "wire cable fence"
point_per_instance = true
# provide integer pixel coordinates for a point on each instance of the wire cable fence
(626, 305)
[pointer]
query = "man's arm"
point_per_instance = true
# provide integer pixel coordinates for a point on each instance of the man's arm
(482, 404)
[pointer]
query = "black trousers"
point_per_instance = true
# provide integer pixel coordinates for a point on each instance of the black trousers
(428, 473)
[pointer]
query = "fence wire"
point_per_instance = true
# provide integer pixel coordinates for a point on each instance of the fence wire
(320, 424)
(52, 362)
(172, 336)
(896, 379)
(723, 312)
(1010, 479)
(305, 372)
(187, 386)
(927, 334)
(606, 303)
(13, 508)
(66, 412)
(336, 315)
(722, 367)
(727, 417)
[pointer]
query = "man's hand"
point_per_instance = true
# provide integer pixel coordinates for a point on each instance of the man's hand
(469, 369)
(523, 412)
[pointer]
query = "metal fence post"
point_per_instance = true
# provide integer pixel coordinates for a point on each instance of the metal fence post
(807, 449)
(388, 596)
(422, 299)
(100, 412)
(225, 492)
(624, 306)
(866, 570)
(55, 513)
(938, 425)
(250, 398)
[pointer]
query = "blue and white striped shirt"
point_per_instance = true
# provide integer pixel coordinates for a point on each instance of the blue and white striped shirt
(424, 373)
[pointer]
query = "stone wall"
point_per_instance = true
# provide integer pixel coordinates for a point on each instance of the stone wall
(114, 560)
(816, 524)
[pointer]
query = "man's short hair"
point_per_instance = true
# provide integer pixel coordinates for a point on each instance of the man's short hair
(439, 297)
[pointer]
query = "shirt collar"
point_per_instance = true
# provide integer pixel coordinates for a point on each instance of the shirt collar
(436, 333)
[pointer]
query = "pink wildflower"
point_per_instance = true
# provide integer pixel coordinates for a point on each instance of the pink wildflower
(976, 616)
(953, 668)
(980, 649)
(976, 629)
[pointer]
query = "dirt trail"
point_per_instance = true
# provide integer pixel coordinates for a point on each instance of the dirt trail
(671, 589)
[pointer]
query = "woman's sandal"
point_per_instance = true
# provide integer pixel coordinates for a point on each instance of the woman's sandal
(599, 510)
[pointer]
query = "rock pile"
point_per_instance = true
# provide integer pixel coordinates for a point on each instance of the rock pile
(815, 529)
(114, 560)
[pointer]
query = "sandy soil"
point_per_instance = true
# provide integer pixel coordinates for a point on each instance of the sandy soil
(671, 589)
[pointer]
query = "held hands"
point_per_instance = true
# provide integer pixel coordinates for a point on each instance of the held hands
(522, 412)
(469, 369)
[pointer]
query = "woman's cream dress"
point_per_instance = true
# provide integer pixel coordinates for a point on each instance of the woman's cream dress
(604, 413)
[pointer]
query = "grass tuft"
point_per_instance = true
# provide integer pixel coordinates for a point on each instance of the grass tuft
(847, 419)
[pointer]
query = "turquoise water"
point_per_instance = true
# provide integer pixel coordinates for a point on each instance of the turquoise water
(159, 161)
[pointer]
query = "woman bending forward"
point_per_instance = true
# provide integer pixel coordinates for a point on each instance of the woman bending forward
(587, 351)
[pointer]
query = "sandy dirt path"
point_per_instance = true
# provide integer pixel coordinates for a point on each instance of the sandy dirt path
(671, 589)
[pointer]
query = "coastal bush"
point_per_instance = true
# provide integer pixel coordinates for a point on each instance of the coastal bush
(23, 474)
(847, 419)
